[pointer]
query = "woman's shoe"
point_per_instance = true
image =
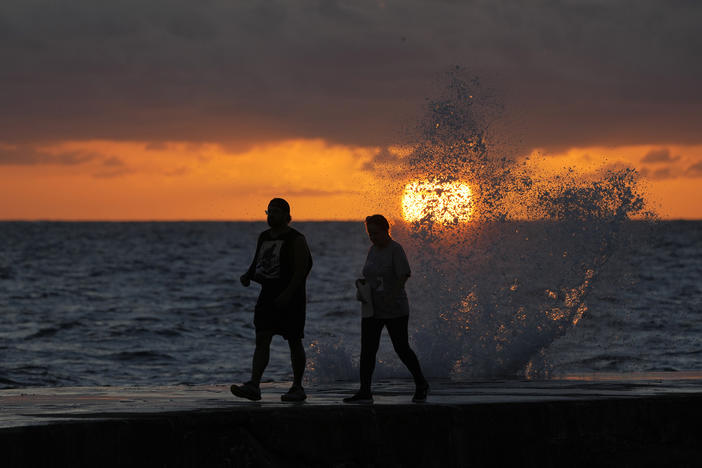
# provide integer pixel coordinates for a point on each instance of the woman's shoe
(294, 394)
(420, 393)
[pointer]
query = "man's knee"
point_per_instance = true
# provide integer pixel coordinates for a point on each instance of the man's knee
(369, 349)
(296, 346)
(295, 342)
(263, 339)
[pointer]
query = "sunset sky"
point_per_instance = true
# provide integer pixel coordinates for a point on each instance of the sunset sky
(181, 110)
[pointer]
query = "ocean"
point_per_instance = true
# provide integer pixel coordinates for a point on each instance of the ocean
(159, 303)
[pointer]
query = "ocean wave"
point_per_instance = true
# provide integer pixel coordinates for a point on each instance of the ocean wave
(141, 356)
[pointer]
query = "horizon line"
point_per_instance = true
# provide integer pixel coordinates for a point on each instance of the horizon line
(250, 220)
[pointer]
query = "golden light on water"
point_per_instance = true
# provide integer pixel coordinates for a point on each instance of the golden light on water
(441, 202)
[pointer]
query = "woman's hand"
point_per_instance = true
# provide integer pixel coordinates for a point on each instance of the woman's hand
(359, 297)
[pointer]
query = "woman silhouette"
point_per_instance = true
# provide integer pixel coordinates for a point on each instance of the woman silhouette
(386, 271)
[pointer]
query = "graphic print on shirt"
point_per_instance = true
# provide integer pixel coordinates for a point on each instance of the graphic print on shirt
(268, 263)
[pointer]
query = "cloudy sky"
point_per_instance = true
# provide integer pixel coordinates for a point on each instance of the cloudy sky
(201, 110)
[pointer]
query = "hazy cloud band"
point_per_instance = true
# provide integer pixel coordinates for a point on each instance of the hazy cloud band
(576, 72)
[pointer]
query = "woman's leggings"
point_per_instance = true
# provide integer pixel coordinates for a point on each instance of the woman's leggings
(371, 329)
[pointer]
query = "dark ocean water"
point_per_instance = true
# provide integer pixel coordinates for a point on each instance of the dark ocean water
(160, 304)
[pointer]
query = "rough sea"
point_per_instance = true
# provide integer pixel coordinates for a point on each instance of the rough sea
(518, 272)
(84, 304)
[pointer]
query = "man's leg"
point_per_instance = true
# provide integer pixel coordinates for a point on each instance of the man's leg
(298, 360)
(261, 356)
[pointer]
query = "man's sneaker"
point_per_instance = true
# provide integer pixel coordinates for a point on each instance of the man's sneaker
(248, 390)
(360, 397)
(420, 393)
(294, 394)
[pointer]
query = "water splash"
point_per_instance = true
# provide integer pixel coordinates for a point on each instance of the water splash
(493, 289)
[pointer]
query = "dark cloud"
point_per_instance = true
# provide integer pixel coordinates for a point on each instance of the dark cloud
(695, 170)
(113, 162)
(569, 72)
(659, 156)
(659, 174)
(112, 167)
(662, 173)
(381, 157)
(26, 154)
(673, 172)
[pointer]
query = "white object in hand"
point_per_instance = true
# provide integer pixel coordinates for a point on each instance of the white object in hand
(363, 294)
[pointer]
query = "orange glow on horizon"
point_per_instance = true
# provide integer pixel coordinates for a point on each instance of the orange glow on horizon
(181, 181)
(118, 180)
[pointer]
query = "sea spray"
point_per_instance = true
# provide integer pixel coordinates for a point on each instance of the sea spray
(501, 267)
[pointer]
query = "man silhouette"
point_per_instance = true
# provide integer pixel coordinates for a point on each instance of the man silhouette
(281, 264)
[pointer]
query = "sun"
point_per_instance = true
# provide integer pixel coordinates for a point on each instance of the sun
(439, 202)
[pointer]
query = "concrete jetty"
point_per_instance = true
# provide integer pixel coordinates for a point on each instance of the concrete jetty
(589, 420)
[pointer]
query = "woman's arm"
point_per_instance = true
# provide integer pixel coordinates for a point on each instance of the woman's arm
(395, 290)
(402, 272)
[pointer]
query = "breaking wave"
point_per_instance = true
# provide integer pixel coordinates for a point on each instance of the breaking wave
(499, 280)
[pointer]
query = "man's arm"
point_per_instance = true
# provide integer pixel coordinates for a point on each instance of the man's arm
(248, 276)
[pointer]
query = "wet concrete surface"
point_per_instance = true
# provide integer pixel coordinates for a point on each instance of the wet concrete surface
(578, 420)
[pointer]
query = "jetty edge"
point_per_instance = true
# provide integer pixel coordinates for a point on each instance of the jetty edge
(640, 430)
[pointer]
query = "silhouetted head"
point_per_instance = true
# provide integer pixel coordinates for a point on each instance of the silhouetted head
(378, 230)
(278, 212)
